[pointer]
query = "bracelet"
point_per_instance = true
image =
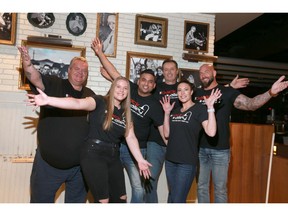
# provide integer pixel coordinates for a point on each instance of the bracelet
(271, 94)
(211, 110)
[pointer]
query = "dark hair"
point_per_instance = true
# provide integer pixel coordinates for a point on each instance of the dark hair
(148, 71)
(192, 86)
(168, 61)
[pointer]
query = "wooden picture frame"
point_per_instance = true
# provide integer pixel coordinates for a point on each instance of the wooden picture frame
(196, 36)
(191, 75)
(49, 59)
(151, 31)
(8, 29)
(137, 62)
(107, 32)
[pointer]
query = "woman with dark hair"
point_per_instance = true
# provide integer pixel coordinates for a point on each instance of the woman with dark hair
(182, 128)
(110, 122)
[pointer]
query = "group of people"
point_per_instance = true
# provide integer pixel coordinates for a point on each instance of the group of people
(135, 126)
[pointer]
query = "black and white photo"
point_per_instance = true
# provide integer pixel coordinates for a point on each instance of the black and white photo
(151, 31)
(41, 20)
(137, 62)
(7, 28)
(76, 24)
(196, 36)
(107, 31)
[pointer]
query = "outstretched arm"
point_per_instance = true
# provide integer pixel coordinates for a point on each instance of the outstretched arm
(96, 45)
(245, 103)
(42, 99)
(32, 74)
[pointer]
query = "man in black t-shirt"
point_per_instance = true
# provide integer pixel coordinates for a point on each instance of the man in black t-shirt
(61, 134)
(146, 111)
(214, 152)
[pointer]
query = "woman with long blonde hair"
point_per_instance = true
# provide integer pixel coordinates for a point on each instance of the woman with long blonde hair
(109, 122)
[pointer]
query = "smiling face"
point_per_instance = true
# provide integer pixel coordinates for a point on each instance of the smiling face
(120, 91)
(170, 72)
(78, 73)
(207, 75)
(146, 84)
(184, 92)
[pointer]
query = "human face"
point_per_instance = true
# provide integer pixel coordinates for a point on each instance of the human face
(206, 74)
(78, 73)
(170, 73)
(146, 84)
(184, 92)
(55, 71)
(120, 92)
(111, 22)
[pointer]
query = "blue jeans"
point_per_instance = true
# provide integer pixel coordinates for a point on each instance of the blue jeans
(131, 166)
(179, 179)
(156, 156)
(217, 162)
(45, 180)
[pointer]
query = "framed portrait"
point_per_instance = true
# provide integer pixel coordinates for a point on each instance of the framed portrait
(190, 75)
(151, 31)
(41, 20)
(196, 36)
(8, 28)
(137, 62)
(49, 59)
(107, 32)
(76, 23)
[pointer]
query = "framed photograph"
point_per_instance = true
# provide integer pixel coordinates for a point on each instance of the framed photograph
(8, 28)
(41, 20)
(151, 31)
(49, 59)
(76, 23)
(107, 32)
(196, 36)
(191, 75)
(137, 62)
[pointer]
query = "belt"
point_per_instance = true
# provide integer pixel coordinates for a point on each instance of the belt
(103, 143)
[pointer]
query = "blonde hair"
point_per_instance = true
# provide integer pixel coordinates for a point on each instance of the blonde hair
(125, 105)
(80, 58)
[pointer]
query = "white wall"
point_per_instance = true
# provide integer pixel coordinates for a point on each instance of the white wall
(18, 139)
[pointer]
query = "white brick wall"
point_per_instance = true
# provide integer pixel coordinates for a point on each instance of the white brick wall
(10, 57)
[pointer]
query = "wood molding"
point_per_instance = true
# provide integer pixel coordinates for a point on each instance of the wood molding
(192, 57)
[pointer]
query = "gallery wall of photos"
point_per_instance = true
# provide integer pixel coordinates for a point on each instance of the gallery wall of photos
(153, 34)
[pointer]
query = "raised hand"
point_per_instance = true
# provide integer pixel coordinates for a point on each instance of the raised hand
(215, 94)
(96, 45)
(24, 54)
(278, 86)
(239, 83)
(167, 107)
(37, 100)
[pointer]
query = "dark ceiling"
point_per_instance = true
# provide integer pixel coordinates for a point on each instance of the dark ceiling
(264, 38)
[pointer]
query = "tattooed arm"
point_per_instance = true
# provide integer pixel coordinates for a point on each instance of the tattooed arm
(245, 103)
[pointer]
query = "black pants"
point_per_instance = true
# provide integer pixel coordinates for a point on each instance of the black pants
(103, 171)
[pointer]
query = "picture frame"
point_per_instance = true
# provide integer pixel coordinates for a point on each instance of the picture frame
(191, 75)
(151, 31)
(76, 23)
(107, 32)
(41, 20)
(49, 59)
(8, 30)
(137, 62)
(196, 36)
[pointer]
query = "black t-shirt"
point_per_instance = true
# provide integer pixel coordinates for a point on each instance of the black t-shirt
(96, 118)
(185, 127)
(61, 133)
(222, 111)
(146, 111)
(163, 89)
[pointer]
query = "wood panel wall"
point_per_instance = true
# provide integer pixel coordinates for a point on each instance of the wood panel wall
(250, 155)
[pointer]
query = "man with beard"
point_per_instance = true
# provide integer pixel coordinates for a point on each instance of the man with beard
(214, 152)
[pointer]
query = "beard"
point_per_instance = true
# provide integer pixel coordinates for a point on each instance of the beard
(208, 83)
